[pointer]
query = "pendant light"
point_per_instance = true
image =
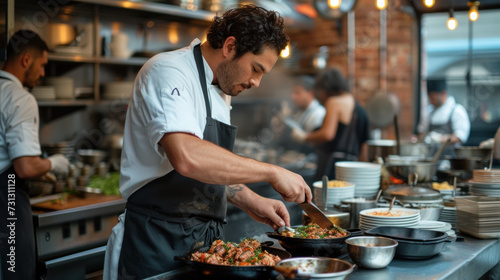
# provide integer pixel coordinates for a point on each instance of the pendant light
(286, 52)
(429, 3)
(473, 12)
(452, 22)
(381, 4)
(334, 4)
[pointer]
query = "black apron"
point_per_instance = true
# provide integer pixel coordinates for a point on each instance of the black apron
(446, 128)
(25, 254)
(344, 147)
(16, 226)
(172, 214)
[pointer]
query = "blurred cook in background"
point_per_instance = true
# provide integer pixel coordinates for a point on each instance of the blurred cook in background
(310, 113)
(446, 119)
(345, 128)
(20, 150)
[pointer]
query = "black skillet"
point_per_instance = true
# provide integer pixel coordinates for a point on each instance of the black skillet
(304, 247)
(235, 272)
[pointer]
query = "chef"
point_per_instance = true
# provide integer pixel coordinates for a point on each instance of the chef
(20, 152)
(311, 113)
(447, 120)
(177, 169)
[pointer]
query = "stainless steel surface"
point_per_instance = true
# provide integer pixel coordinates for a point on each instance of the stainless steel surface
(371, 251)
(468, 164)
(341, 219)
(383, 148)
(325, 192)
(316, 215)
(319, 267)
(67, 231)
(429, 212)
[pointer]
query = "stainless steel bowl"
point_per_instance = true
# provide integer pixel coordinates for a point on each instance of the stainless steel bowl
(371, 251)
(318, 267)
(91, 157)
(424, 170)
(429, 212)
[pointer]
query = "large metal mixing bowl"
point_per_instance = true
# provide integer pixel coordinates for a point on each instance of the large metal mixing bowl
(425, 171)
(371, 251)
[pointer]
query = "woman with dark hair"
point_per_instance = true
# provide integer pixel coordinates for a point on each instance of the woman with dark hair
(345, 127)
(177, 169)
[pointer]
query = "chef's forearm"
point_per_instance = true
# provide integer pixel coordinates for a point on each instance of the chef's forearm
(209, 163)
(236, 194)
(29, 167)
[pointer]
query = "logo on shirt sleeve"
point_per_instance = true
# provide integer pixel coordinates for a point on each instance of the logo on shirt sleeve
(175, 90)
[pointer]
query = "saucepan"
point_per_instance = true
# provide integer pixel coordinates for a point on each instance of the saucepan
(215, 271)
(298, 247)
(383, 148)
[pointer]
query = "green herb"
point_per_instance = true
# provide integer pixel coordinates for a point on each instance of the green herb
(231, 261)
(109, 185)
(225, 247)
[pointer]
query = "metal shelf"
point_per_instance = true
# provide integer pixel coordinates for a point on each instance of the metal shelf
(151, 7)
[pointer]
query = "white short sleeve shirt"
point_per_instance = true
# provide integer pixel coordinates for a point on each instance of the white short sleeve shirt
(460, 120)
(167, 97)
(19, 123)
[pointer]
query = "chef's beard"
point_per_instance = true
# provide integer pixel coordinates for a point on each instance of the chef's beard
(30, 78)
(227, 74)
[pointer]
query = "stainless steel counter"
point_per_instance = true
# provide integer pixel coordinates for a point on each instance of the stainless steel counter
(468, 260)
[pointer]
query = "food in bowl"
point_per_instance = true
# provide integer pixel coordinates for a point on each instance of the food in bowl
(442, 186)
(313, 231)
(371, 252)
(338, 184)
(248, 252)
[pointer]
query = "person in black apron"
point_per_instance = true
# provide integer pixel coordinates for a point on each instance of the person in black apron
(348, 140)
(169, 220)
(26, 58)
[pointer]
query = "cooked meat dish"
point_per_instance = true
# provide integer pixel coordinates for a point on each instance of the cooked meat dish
(248, 252)
(314, 231)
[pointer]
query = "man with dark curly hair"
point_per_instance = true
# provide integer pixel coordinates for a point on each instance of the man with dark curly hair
(177, 168)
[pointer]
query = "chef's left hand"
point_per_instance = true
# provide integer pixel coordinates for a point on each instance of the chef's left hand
(268, 211)
(298, 135)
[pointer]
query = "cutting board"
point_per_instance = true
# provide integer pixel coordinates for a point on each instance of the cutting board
(74, 201)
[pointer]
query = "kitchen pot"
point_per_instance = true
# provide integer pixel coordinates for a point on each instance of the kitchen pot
(425, 170)
(409, 194)
(356, 205)
(213, 271)
(468, 163)
(415, 244)
(383, 148)
(318, 268)
(92, 157)
(473, 151)
(328, 247)
(428, 212)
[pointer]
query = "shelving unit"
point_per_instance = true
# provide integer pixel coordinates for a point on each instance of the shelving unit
(118, 11)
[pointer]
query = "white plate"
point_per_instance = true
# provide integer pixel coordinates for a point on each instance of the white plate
(404, 213)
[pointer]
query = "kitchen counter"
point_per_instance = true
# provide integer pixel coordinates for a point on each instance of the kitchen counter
(469, 259)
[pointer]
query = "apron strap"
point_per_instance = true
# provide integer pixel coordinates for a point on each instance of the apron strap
(203, 80)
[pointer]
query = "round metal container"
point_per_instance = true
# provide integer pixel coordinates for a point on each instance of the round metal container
(473, 151)
(424, 170)
(409, 194)
(383, 148)
(319, 267)
(371, 251)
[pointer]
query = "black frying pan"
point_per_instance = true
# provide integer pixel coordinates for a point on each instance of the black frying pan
(235, 272)
(303, 247)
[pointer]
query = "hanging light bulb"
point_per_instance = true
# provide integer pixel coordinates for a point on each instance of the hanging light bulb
(429, 3)
(381, 4)
(452, 22)
(286, 52)
(334, 4)
(473, 12)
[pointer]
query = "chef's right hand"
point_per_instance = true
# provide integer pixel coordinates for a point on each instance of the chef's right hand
(291, 186)
(59, 164)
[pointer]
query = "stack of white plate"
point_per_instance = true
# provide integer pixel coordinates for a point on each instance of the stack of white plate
(63, 86)
(365, 175)
(118, 90)
(436, 226)
(44, 92)
(335, 194)
(448, 215)
(397, 217)
(485, 182)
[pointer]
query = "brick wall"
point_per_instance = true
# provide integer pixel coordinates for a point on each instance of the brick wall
(401, 44)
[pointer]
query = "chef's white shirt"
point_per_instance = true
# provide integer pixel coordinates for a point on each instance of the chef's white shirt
(19, 121)
(459, 121)
(167, 97)
(312, 117)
